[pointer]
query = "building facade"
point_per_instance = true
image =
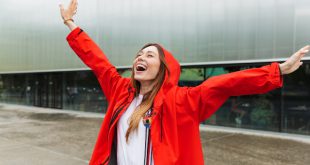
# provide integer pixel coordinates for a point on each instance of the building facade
(208, 37)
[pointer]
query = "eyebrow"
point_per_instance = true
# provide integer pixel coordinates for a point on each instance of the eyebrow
(146, 52)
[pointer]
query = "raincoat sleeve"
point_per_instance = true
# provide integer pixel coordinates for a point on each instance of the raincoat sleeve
(212, 93)
(93, 57)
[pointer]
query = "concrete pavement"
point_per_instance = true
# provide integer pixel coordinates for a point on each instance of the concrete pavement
(40, 136)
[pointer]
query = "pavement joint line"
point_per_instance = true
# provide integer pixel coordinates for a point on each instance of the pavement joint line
(51, 151)
(13, 147)
(4, 139)
(221, 137)
(259, 133)
(6, 145)
(15, 122)
(25, 108)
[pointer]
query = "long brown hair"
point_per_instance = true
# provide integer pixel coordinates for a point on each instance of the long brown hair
(148, 98)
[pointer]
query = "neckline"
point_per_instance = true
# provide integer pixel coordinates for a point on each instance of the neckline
(140, 96)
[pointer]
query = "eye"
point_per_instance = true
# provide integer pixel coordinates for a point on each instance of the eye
(150, 55)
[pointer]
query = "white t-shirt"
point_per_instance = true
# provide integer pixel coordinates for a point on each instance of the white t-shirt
(133, 152)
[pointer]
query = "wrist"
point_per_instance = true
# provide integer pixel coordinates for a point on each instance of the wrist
(283, 68)
(71, 25)
(68, 20)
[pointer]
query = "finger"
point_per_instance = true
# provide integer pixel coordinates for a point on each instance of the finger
(305, 48)
(296, 66)
(305, 51)
(297, 63)
(301, 53)
(62, 10)
(75, 3)
(61, 6)
(300, 56)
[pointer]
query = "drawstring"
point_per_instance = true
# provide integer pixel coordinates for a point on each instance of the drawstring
(148, 118)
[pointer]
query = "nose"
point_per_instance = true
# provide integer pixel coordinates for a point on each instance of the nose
(141, 58)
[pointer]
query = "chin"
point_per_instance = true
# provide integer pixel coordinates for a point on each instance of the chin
(138, 79)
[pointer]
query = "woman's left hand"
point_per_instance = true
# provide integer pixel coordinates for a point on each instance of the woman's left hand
(294, 62)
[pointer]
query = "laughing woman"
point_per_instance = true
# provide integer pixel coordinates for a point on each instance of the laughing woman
(150, 119)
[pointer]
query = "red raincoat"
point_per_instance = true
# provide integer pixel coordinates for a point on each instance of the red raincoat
(178, 111)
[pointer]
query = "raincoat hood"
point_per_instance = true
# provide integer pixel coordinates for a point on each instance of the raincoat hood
(172, 76)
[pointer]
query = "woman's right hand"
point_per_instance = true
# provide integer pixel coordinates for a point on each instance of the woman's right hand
(68, 13)
(294, 62)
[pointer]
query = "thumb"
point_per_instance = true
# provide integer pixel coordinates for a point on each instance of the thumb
(61, 6)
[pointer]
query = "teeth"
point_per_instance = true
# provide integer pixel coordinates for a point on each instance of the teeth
(142, 66)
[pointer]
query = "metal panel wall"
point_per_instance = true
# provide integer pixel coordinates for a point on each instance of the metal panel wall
(195, 31)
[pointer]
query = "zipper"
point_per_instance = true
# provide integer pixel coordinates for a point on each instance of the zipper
(115, 115)
(106, 160)
(117, 112)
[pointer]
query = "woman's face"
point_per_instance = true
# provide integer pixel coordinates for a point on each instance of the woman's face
(146, 64)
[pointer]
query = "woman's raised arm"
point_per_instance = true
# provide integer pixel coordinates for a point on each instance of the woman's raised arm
(206, 98)
(90, 53)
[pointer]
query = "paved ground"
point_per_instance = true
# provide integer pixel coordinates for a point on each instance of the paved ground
(48, 137)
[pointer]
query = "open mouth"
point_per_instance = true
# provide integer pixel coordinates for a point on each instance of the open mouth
(141, 68)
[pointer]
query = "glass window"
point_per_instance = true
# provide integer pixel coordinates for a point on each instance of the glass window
(248, 111)
(286, 109)
(191, 76)
(13, 88)
(82, 92)
(296, 101)
(125, 73)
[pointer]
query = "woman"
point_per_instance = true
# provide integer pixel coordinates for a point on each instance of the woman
(151, 120)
